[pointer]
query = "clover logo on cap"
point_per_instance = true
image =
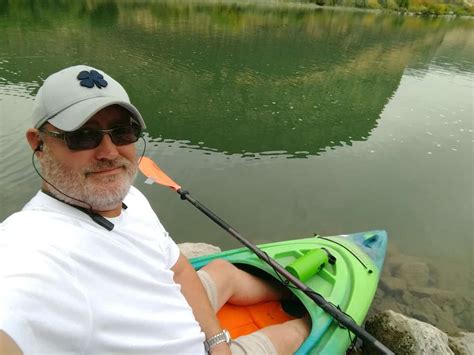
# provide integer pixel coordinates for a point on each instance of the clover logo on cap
(91, 78)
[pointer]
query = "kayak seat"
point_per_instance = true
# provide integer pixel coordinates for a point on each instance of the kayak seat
(243, 320)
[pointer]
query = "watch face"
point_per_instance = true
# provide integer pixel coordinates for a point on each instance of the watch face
(227, 336)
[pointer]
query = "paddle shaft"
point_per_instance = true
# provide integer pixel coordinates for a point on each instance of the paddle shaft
(339, 316)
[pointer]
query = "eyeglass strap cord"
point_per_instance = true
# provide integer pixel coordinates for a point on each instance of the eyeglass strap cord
(97, 218)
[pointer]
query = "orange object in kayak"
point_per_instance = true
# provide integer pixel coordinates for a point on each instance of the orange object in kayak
(242, 320)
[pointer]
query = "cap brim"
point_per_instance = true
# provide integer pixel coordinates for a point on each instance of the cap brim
(84, 110)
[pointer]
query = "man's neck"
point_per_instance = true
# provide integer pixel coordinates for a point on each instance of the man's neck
(110, 213)
(97, 216)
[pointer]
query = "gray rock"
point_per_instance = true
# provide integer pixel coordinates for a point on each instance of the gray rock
(396, 260)
(192, 250)
(406, 336)
(380, 293)
(393, 284)
(425, 310)
(464, 305)
(408, 298)
(462, 344)
(415, 273)
(384, 303)
(437, 295)
(467, 315)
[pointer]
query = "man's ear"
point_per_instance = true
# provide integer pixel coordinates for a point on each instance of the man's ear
(34, 140)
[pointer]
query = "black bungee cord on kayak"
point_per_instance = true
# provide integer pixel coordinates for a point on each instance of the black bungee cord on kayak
(96, 217)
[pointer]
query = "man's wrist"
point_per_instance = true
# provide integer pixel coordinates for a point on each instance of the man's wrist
(222, 337)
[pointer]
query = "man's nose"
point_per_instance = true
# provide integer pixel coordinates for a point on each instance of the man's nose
(106, 149)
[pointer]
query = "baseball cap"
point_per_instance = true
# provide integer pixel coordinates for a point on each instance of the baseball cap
(70, 97)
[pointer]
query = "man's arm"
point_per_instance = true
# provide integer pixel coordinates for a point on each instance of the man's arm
(195, 294)
(8, 346)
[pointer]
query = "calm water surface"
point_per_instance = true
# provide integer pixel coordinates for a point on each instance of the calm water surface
(285, 119)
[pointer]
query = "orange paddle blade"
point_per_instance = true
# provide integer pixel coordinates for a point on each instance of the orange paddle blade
(152, 171)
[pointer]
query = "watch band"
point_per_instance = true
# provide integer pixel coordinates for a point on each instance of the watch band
(219, 338)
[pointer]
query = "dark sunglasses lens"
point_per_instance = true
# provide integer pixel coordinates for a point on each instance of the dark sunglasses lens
(83, 139)
(125, 135)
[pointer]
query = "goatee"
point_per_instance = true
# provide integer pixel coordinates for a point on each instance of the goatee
(85, 189)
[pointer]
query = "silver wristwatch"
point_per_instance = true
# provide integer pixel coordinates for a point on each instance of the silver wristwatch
(222, 337)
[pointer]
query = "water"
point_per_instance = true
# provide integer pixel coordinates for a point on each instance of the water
(285, 119)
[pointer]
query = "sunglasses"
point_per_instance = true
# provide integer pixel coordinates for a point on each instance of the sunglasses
(90, 138)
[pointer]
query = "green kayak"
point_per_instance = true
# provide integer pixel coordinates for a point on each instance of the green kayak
(344, 269)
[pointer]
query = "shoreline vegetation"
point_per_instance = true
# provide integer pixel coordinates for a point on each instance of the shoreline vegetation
(407, 7)
(429, 8)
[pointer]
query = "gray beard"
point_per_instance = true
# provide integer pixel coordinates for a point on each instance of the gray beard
(76, 188)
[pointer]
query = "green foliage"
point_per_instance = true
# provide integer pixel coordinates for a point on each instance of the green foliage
(427, 7)
(403, 4)
(361, 3)
(373, 4)
(422, 7)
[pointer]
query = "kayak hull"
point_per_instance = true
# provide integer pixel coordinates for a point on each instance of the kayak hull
(350, 283)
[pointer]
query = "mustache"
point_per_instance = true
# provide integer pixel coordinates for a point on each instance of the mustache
(108, 164)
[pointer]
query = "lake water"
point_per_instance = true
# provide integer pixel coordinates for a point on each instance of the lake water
(285, 119)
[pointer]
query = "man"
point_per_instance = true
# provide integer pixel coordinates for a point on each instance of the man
(86, 266)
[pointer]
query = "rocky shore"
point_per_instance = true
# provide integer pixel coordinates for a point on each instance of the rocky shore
(412, 287)
(410, 314)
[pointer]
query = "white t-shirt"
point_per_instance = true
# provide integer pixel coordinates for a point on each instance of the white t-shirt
(68, 285)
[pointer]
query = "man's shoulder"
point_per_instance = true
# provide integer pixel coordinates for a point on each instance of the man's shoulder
(135, 195)
(25, 220)
(39, 227)
(35, 220)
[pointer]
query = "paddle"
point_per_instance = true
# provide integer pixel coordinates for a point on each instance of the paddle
(155, 174)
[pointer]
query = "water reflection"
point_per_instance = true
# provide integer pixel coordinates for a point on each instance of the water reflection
(240, 79)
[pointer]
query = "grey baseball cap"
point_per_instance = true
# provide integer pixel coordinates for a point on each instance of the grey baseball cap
(70, 97)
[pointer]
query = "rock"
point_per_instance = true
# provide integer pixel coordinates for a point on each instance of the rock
(405, 335)
(386, 271)
(385, 303)
(393, 284)
(466, 317)
(446, 321)
(438, 296)
(395, 261)
(424, 309)
(408, 299)
(462, 344)
(192, 250)
(464, 305)
(379, 293)
(415, 273)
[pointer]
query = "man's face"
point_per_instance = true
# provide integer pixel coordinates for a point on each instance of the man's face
(102, 176)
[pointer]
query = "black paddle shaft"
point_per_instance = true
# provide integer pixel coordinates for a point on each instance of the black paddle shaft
(339, 316)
